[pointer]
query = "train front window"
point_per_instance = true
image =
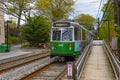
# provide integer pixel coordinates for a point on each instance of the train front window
(56, 35)
(62, 34)
(67, 35)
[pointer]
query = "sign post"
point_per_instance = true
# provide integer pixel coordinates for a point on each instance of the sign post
(70, 69)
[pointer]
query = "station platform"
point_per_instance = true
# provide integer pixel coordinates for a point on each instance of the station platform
(18, 51)
(15, 51)
(98, 66)
(12, 54)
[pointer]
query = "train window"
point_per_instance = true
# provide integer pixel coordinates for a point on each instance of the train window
(56, 35)
(77, 33)
(83, 35)
(67, 35)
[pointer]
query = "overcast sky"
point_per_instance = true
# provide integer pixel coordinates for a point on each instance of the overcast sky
(87, 7)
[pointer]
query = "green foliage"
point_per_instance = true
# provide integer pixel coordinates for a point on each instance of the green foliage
(107, 30)
(27, 44)
(104, 31)
(55, 9)
(86, 20)
(12, 29)
(13, 40)
(36, 31)
(17, 7)
(108, 12)
(12, 33)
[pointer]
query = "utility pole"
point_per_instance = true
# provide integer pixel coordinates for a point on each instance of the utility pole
(109, 31)
(98, 27)
(116, 13)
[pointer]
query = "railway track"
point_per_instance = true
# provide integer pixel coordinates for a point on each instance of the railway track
(38, 67)
(20, 72)
(19, 67)
(54, 71)
(15, 62)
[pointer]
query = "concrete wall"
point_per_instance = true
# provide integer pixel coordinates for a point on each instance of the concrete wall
(2, 31)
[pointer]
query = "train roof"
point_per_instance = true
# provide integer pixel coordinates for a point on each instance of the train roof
(75, 24)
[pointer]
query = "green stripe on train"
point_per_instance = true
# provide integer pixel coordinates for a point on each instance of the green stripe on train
(63, 48)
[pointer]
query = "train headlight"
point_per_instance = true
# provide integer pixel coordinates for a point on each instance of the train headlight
(53, 46)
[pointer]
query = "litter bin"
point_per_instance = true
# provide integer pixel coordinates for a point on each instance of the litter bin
(3, 48)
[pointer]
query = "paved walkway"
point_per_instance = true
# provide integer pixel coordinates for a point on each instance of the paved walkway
(98, 66)
(17, 51)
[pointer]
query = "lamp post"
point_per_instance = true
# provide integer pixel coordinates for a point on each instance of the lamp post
(7, 22)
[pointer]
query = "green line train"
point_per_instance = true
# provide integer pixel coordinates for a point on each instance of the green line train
(68, 39)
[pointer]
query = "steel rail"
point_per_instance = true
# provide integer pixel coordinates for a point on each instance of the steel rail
(59, 77)
(113, 60)
(46, 72)
(10, 59)
(23, 71)
(19, 61)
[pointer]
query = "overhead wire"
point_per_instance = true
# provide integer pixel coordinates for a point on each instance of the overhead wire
(105, 11)
(106, 18)
(110, 11)
(99, 9)
(101, 12)
(102, 1)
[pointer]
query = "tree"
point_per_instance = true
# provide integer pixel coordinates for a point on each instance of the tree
(107, 30)
(55, 9)
(36, 31)
(86, 20)
(17, 7)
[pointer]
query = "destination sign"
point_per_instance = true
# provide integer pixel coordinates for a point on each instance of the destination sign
(61, 24)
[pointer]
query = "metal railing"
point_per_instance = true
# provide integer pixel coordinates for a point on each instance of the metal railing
(80, 63)
(113, 60)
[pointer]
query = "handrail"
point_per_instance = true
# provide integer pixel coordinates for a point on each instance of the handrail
(80, 63)
(113, 60)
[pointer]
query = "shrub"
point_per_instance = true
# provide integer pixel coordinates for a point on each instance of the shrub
(36, 31)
